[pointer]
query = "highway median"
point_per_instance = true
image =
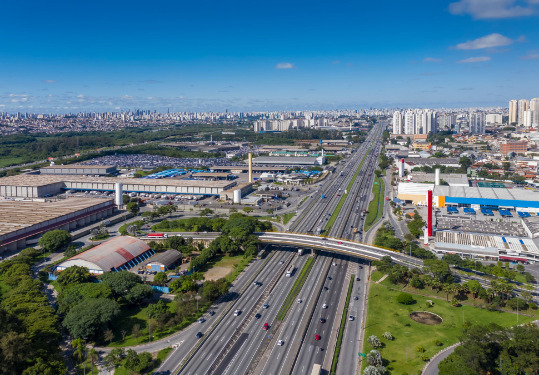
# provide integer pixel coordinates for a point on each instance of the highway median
(296, 288)
(338, 344)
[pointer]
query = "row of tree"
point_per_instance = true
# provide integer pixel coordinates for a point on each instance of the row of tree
(385, 237)
(491, 269)
(29, 330)
(438, 277)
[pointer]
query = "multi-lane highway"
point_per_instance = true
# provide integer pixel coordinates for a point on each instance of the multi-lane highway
(239, 344)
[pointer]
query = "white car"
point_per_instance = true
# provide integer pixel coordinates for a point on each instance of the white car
(324, 306)
(351, 318)
(299, 300)
(280, 342)
(201, 320)
(237, 312)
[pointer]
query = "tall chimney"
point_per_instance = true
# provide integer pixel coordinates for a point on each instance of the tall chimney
(437, 177)
(250, 167)
(401, 168)
(429, 214)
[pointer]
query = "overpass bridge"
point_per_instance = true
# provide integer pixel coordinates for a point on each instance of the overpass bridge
(335, 245)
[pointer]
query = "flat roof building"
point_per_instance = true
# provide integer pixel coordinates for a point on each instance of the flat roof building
(117, 254)
(78, 169)
(34, 186)
(21, 221)
(288, 160)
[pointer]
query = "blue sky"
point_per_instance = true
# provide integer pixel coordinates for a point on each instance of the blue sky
(266, 55)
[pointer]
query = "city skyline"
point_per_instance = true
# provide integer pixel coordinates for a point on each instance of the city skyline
(281, 56)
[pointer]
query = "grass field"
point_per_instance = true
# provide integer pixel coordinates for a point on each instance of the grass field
(385, 314)
(378, 201)
(6, 162)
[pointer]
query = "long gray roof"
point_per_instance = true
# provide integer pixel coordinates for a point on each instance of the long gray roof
(167, 258)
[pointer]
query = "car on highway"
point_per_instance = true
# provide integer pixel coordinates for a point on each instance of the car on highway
(201, 320)
(324, 306)
(197, 233)
(351, 317)
(317, 337)
(237, 312)
(265, 327)
(281, 262)
(199, 335)
(265, 306)
(322, 320)
(211, 313)
(257, 316)
(299, 300)
(355, 298)
(326, 288)
(329, 277)
(257, 283)
(280, 342)
(339, 242)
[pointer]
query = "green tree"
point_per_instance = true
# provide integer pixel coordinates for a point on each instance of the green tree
(160, 278)
(133, 207)
(90, 317)
(120, 282)
(115, 357)
(74, 275)
(49, 366)
(405, 298)
(137, 363)
(54, 240)
(137, 294)
(465, 162)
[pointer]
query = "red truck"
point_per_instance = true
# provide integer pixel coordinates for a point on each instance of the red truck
(158, 235)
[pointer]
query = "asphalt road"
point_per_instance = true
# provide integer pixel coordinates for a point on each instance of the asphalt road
(314, 351)
(289, 332)
(214, 344)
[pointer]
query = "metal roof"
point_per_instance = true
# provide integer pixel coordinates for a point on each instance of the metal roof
(166, 259)
(113, 253)
(488, 196)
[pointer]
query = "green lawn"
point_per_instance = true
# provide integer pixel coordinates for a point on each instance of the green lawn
(385, 314)
(6, 162)
(372, 215)
(376, 275)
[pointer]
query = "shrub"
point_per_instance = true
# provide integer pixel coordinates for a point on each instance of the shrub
(388, 336)
(420, 349)
(405, 299)
(438, 343)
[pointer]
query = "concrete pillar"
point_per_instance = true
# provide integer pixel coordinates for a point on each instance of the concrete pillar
(73, 225)
(93, 217)
(87, 220)
(80, 222)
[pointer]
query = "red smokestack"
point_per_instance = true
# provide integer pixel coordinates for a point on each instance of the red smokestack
(429, 223)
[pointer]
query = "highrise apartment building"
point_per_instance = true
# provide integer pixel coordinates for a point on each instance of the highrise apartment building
(409, 122)
(477, 123)
(513, 111)
(397, 122)
(523, 105)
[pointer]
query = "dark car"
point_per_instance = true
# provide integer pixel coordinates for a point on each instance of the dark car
(211, 313)
(199, 335)
(257, 316)
(322, 320)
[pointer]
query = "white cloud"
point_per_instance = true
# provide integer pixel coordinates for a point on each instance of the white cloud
(531, 55)
(49, 81)
(489, 41)
(431, 59)
(284, 65)
(474, 60)
(484, 9)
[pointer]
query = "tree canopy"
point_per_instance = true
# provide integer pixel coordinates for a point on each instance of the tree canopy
(54, 240)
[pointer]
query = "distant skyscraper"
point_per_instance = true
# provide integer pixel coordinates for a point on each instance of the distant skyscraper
(397, 122)
(513, 111)
(522, 107)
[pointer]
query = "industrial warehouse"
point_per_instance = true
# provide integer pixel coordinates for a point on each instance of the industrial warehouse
(23, 221)
(79, 169)
(36, 186)
(117, 254)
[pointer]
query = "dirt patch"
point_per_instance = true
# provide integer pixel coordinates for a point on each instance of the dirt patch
(425, 317)
(216, 273)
